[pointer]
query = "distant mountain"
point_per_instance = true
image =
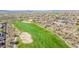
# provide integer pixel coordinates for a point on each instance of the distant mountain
(16, 11)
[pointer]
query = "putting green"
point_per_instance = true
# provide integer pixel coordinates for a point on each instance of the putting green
(42, 38)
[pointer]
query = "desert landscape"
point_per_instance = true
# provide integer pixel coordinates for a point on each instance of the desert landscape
(39, 29)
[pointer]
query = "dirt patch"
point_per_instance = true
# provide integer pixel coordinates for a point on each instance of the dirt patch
(26, 38)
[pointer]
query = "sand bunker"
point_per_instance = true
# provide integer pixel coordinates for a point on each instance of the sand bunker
(27, 21)
(26, 38)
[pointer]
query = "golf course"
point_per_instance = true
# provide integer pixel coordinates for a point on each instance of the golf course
(40, 37)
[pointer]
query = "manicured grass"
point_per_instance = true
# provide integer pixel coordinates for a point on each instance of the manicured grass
(42, 38)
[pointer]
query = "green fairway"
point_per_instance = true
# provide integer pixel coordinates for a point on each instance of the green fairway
(42, 38)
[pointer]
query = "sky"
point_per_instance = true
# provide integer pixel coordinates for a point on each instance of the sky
(39, 4)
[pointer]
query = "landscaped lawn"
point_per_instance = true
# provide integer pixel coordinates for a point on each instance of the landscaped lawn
(42, 38)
